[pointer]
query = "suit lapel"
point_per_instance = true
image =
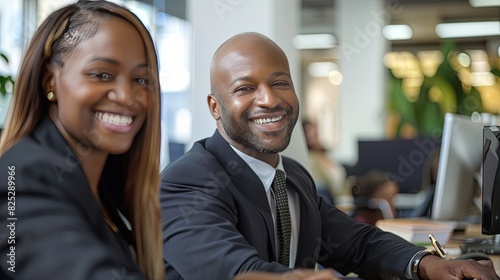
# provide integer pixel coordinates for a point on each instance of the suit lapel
(51, 138)
(310, 223)
(247, 182)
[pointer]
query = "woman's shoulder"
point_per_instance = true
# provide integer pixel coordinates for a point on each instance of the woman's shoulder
(28, 152)
(36, 165)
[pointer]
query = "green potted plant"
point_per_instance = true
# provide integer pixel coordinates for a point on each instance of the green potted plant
(6, 81)
(426, 113)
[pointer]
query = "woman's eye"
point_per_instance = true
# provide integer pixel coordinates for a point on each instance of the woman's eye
(142, 81)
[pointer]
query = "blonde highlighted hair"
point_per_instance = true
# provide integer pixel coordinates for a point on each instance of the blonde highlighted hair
(29, 105)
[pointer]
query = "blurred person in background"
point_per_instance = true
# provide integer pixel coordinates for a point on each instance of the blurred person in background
(328, 174)
(374, 193)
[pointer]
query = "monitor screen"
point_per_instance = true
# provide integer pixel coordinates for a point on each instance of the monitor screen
(490, 195)
(402, 160)
(457, 190)
(490, 218)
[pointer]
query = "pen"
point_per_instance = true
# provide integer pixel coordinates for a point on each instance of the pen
(439, 249)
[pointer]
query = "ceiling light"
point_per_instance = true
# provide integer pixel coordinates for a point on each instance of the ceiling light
(335, 77)
(321, 69)
(464, 59)
(397, 32)
(314, 41)
(484, 3)
(468, 29)
(482, 79)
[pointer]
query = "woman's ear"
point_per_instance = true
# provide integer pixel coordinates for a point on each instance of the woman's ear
(48, 79)
(213, 106)
(48, 84)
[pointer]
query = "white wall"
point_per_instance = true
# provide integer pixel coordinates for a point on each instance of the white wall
(362, 93)
(213, 22)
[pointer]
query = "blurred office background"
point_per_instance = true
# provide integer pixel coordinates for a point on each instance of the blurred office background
(374, 75)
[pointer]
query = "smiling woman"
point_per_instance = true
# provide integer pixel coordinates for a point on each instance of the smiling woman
(80, 151)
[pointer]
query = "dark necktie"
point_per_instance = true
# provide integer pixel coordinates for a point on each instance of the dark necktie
(283, 221)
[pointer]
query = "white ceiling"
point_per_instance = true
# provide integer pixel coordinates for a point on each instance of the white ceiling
(421, 15)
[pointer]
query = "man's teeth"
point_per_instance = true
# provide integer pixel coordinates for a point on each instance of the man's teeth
(114, 119)
(268, 120)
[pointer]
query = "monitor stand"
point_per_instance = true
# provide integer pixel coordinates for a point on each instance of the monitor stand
(490, 246)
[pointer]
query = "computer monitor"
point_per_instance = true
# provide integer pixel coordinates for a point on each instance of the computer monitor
(490, 195)
(490, 218)
(457, 189)
(402, 160)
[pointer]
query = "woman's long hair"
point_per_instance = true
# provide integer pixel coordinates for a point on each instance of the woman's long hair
(29, 104)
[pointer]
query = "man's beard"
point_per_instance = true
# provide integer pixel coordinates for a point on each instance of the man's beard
(242, 134)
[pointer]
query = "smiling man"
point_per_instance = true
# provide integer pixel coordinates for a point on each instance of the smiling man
(224, 212)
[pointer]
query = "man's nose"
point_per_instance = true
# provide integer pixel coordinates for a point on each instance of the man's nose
(266, 97)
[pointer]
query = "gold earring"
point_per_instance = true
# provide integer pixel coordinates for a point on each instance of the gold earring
(51, 96)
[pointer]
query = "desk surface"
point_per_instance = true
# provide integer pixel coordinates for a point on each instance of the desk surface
(453, 247)
(454, 251)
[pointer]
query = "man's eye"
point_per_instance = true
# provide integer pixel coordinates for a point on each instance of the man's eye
(102, 76)
(243, 89)
(281, 84)
(106, 77)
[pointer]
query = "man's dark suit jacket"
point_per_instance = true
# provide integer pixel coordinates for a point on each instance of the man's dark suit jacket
(52, 226)
(217, 223)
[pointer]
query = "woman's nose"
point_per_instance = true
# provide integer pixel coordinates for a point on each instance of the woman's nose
(123, 93)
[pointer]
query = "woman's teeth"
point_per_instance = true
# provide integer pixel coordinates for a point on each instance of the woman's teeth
(114, 119)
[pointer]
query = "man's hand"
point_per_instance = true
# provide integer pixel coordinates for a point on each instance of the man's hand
(297, 274)
(433, 267)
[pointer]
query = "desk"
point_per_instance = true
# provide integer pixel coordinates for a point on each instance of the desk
(496, 263)
(453, 248)
(454, 251)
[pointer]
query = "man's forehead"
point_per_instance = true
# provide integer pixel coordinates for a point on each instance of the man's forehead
(246, 67)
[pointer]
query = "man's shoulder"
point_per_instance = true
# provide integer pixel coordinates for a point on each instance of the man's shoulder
(297, 172)
(197, 153)
(198, 157)
(293, 165)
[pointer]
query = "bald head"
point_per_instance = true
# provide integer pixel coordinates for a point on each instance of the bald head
(243, 45)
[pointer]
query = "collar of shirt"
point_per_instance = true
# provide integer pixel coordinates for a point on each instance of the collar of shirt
(264, 171)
